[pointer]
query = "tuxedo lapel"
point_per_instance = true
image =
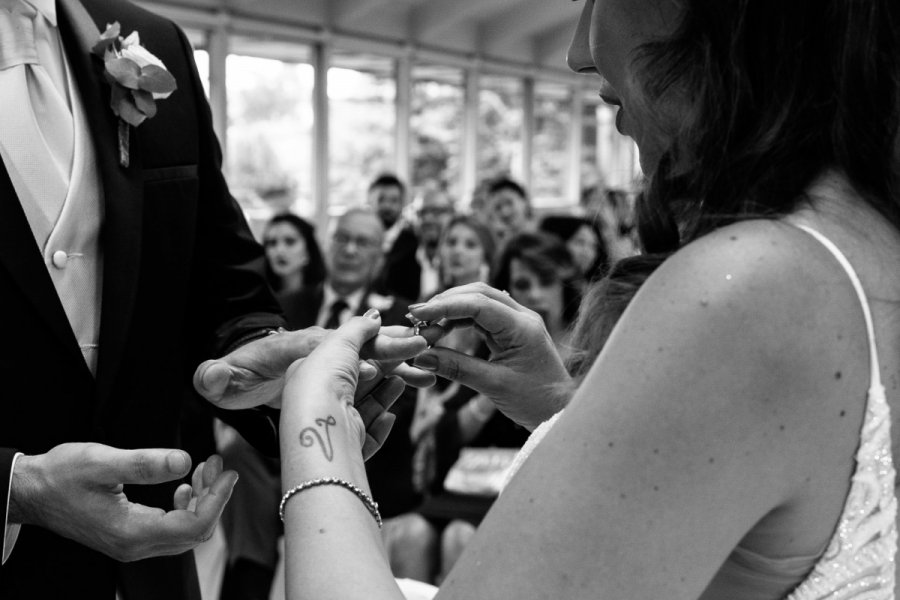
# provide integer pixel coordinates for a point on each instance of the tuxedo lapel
(122, 189)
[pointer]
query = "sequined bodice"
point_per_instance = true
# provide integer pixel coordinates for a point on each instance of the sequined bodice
(859, 561)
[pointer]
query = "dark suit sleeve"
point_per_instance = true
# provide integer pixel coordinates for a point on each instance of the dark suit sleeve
(230, 298)
(7, 457)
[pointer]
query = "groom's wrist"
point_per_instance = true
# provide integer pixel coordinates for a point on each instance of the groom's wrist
(252, 336)
(24, 492)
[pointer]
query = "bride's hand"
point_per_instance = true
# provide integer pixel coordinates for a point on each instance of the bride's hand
(324, 385)
(524, 374)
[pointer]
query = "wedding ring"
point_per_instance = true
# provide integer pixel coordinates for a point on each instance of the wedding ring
(419, 326)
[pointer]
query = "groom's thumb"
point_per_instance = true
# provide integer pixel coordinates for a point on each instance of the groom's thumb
(211, 380)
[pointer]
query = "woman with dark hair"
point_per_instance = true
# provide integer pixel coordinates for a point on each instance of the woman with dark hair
(293, 256)
(583, 241)
(539, 273)
(732, 439)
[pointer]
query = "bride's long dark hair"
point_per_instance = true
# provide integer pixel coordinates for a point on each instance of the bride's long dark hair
(779, 91)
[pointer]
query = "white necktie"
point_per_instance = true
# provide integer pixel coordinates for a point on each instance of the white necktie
(35, 121)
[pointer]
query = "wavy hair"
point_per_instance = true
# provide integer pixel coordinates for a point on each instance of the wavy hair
(778, 92)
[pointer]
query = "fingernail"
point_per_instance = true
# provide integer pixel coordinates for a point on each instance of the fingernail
(428, 362)
(176, 462)
(415, 306)
(373, 314)
(411, 318)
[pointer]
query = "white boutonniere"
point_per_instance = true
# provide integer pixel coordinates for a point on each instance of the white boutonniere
(137, 79)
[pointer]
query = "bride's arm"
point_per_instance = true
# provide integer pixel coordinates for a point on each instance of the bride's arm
(332, 541)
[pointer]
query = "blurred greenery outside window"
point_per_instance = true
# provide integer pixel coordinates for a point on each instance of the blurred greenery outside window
(270, 118)
(500, 118)
(608, 158)
(553, 118)
(362, 95)
(437, 127)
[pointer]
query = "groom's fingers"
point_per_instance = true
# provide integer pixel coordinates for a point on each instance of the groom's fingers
(114, 466)
(212, 379)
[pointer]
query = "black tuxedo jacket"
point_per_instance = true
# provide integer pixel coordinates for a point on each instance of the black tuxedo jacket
(182, 282)
(390, 470)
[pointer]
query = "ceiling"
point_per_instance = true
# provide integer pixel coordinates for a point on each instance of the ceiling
(525, 34)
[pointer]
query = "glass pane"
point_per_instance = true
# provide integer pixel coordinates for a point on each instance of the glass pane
(437, 126)
(362, 115)
(553, 118)
(609, 157)
(270, 116)
(500, 127)
(197, 37)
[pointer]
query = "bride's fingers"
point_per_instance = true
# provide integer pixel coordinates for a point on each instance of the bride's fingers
(368, 371)
(387, 347)
(379, 400)
(479, 287)
(491, 315)
(414, 377)
(377, 434)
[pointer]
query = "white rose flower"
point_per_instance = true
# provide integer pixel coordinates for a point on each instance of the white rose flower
(132, 49)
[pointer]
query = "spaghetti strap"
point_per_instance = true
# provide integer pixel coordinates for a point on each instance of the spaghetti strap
(875, 374)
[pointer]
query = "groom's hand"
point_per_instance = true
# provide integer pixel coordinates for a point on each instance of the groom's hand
(76, 491)
(253, 374)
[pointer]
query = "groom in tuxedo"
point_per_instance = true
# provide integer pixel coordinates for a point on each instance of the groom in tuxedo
(124, 263)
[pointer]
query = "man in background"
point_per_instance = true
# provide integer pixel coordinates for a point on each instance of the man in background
(400, 273)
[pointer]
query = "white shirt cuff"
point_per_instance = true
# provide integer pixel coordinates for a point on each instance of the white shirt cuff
(11, 533)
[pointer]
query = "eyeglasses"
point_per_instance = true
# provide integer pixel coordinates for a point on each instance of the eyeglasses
(435, 211)
(343, 240)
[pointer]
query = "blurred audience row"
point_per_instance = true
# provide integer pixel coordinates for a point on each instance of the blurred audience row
(386, 255)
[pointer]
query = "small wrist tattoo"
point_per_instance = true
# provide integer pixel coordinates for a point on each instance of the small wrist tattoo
(310, 436)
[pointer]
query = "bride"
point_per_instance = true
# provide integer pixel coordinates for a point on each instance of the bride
(732, 439)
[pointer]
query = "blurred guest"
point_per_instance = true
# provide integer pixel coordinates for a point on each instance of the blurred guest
(442, 426)
(583, 241)
(508, 209)
(293, 257)
(537, 270)
(435, 208)
(478, 204)
(465, 254)
(400, 272)
(612, 209)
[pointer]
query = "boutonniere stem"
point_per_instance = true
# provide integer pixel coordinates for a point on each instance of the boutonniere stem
(137, 80)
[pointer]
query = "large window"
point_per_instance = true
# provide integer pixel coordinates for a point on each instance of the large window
(269, 163)
(500, 127)
(608, 157)
(436, 127)
(197, 37)
(361, 93)
(553, 117)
